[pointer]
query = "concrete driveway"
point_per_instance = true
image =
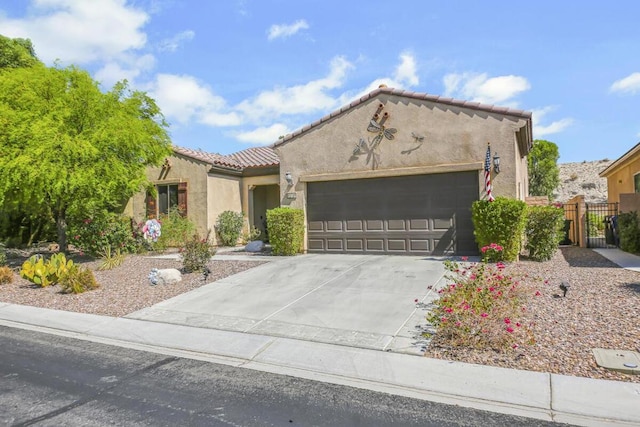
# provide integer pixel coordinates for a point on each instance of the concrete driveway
(356, 300)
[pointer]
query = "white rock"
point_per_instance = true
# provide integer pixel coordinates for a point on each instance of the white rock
(254, 246)
(168, 276)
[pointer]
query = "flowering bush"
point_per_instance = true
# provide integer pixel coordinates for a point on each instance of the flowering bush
(491, 253)
(196, 253)
(93, 235)
(482, 306)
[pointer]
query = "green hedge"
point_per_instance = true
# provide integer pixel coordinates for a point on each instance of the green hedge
(502, 222)
(286, 230)
(544, 231)
(629, 228)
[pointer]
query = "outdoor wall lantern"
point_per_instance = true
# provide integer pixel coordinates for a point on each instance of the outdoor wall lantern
(289, 178)
(496, 162)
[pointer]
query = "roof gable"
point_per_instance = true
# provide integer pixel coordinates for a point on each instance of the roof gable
(411, 95)
(633, 152)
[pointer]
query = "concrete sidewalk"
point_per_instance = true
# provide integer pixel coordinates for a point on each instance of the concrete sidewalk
(623, 259)
(537, 395)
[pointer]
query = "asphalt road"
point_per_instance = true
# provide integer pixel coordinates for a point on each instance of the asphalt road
(48, 380)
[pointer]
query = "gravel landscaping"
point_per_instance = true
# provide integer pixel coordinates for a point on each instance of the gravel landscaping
(601, 308)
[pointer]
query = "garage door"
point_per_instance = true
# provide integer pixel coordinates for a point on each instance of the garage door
(421, 214)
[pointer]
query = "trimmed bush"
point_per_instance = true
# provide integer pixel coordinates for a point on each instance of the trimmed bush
(228, 226)
(286, 230)
(500, 222)
(544, 231)
(629, 228)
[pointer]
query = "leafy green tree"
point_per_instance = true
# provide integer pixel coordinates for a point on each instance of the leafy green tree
(67, 149)
(16, 53)
(544, 175)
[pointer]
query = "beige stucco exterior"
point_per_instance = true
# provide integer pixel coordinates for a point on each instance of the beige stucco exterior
(453, 139)
(620, 174)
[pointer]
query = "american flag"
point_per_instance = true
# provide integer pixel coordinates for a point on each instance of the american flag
(487, 174)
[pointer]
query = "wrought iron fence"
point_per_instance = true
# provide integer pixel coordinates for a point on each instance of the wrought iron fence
(600, 221)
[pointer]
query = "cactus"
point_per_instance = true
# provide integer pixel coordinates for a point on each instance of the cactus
(42, 273)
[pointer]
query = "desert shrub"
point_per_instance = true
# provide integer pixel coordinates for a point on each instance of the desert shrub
(481, 307)
(196, 253)
(286, 230)
(3, 257)
(573, 176)
(500, 222)
(93, 235)
(544, 231)
(6, 275)
(250, 236)
(629, 232)
(78, 280)
(228, 227)
(176, 229)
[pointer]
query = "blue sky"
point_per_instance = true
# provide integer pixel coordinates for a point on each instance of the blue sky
(232, 74)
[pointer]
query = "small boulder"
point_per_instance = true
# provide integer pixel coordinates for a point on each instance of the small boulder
(255, 246)
(165, 276)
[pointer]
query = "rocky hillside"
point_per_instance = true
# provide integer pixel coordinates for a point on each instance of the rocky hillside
(582, 179)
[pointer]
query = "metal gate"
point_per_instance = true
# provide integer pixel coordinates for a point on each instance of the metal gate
(601, 225)
(571, 235)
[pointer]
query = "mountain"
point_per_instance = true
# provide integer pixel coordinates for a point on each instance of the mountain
(582, 179)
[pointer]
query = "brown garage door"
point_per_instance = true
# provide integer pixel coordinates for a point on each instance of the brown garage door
(421, 214)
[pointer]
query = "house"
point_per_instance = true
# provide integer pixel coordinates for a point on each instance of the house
(623, 180)
(203, 185)
(392, 172)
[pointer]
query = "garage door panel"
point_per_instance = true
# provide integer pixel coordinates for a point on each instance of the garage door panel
(422, 214)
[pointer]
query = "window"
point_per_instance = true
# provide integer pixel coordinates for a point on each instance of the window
(167, 198)
(636, 183)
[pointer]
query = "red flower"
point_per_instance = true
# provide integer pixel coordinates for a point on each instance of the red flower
(507, 320)
(484, 315)
(509, 329)
(538, 293)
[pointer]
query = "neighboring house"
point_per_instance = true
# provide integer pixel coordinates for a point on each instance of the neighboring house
(623, 180)
(392, 172)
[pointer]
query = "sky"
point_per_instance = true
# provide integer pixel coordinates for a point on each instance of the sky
(234, 74)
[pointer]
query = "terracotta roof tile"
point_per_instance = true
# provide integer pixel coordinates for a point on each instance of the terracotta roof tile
(211, 158)
(256, 157)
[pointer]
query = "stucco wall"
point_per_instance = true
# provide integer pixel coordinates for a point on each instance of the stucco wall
(183, 169)
(621, 180)
(454, 139)
(223, 195)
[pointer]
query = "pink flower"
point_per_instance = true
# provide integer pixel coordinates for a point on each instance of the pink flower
(514, 346)
(449, 310)
(479, 289)
(465, 258)
(510, 329)
(443, 319)
(484, 315)
(507, 320)
(538, 293)
(458, 324)
(518, 324)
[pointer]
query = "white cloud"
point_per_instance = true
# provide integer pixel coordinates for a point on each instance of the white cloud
(540, 130)
(481, 88)
(264, 135)
(129, 68)
(284, 30)
(629, 84)
(406, 70)
(172, 44)
(79, 31)
(184, 99)
(301, 99)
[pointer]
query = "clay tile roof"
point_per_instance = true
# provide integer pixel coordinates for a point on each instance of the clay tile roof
(211, 158)
(256, 157)
(414, 95)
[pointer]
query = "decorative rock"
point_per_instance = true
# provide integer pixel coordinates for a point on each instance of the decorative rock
(254, 246)
(165, 276)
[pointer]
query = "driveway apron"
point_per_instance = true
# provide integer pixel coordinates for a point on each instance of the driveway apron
(362, 301)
